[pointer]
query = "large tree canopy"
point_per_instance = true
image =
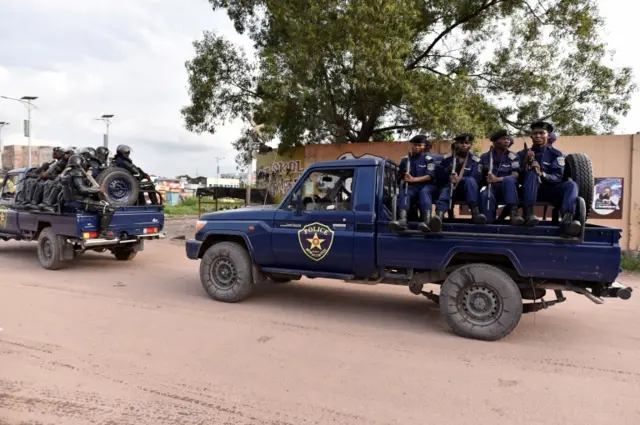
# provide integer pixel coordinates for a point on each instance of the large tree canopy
(360, 70)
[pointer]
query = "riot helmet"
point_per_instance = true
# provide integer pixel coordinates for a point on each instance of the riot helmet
(76, 161)
(123, 150)
(88, 153)
(102, 153)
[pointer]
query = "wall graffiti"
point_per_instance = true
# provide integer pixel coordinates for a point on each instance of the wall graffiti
(279, 177)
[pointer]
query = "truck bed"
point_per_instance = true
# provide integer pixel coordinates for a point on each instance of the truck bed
(130, 220)
(537, 252)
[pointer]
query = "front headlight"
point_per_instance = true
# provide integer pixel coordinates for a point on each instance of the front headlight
(199, 225)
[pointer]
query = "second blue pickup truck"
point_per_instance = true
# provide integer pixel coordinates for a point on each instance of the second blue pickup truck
(334, 223)
(62, 237)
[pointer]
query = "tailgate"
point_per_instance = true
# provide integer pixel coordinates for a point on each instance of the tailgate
(135, 221)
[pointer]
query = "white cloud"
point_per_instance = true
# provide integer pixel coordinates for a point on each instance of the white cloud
(87, 58)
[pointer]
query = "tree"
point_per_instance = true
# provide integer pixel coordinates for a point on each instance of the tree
(336, 71)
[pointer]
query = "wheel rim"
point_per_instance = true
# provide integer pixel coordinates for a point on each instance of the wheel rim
(118, 189)
(481, 305)
(47, 249)
(224, 273)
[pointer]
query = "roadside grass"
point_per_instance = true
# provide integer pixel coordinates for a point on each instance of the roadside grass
(189, 206)
(630, 263)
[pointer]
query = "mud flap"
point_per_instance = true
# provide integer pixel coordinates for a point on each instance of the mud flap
(66, 249)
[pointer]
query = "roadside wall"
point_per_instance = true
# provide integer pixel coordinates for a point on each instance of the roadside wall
(616, 165)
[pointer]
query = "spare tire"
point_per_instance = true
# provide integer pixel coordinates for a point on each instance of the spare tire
(120, 188)
(578, 167)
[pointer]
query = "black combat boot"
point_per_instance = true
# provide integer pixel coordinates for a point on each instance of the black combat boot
(436, 221)
(105, 222)
(47, 204)
(530, 220)
(426, 220)
(476, 217)
(401, 224)
(569, 226)
(516, 220)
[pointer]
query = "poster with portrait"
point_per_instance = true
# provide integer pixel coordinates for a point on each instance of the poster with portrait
(607, 197)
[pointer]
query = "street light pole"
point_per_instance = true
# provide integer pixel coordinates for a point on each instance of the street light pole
(26, 100)
(107, 120)
(218, 158)
(2, 124)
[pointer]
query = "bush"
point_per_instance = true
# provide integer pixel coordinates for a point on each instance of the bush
(630, 262)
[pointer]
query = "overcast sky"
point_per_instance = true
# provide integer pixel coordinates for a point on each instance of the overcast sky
(85, 58)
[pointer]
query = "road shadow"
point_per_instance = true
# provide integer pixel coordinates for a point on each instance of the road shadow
(366, 306)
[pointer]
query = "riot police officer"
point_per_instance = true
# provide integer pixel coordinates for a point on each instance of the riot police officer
(464, 178)
(83, 191)
(543, 168)
(34, 181)
(25, 186)
(93, 163)
(48, 179)
(419, 176)
(102, 155)
(122, 159)
(501, 175)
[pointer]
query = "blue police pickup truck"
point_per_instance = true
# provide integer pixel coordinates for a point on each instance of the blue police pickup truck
(334, 223)
(63, 237)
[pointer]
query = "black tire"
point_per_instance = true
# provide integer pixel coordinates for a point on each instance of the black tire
(124, 254)
(578, 167)
(226, 272)
(50, 249)
(481, 301)
(120, 187)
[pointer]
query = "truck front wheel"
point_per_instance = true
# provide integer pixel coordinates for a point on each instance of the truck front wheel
(481, 301)
(226, 272)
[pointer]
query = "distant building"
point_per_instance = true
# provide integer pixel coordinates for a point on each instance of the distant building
(17, 156)
(222, 182)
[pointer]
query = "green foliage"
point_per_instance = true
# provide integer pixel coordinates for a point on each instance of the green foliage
(630, 263)
(330, 71)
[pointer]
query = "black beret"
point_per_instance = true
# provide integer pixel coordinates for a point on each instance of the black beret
(545, 125)
(420, 139)
(464, 137)
(498, 135)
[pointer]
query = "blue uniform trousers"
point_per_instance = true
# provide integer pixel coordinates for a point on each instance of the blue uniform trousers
(467, 191)
(423, 193)
(505, 192)
(564, 194)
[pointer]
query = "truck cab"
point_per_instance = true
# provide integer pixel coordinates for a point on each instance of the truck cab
(334, 223)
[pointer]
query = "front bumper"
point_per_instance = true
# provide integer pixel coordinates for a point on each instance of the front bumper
(193, 248)
(92, 243)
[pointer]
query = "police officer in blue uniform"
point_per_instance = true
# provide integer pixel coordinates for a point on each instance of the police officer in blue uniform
(543, 169)
(421, 178)
(465, 180)
(503, 178)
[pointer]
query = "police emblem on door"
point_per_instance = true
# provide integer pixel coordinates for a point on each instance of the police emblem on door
(315, 240)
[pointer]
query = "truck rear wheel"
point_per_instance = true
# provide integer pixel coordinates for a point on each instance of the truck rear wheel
(481, 301)
(124, 254)
(226, 272)
(50, 249)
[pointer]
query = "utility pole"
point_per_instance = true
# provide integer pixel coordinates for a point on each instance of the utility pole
(218, 158)
(26, 100)
(2, 124)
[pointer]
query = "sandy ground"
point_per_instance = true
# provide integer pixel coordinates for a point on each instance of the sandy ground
(140, 343)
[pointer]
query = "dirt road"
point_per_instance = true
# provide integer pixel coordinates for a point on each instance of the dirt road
(140, 343)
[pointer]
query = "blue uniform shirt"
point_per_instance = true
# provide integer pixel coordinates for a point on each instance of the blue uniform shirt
(503, 165)
(551, 162)
(472, 169)
(419, 166)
